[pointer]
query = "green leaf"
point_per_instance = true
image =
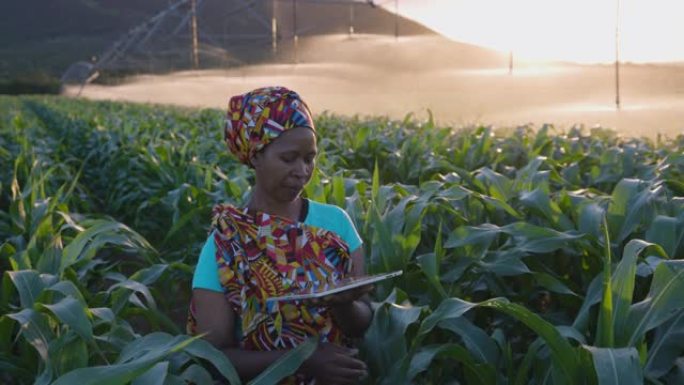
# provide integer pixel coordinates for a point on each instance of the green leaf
(288, 364)
(29, 285)
(499, 187)
(103, 313)
(540, 202)
(504, 263)
(128, 286)
(68, 352)
(314, 189)
(521, 378)
(155, 344)
(338, 192)
(663, 301)
(98, 233)
(137, 358)
(564, 355)
(666, 347)
(35, 329)
(478, 373)
(430, 267)
(449, 308)
(375, 184)
(605, 333)
(75, 248)
(385, 342)
(623, 281)
(202, 349)
(182, 223)
(156, 375)
(592, 297)
(535, 239)
(552, 283)
(623, 193)
(617, 366)
(120, 374)
(16, 373)
(630, 205)
(196, 374)
(72, 313)
(663, 231)
(67, 288)
(149, 275)
(499, 205)
(677, 375)
(468, 235)
(479, 344)
(590, 219)
(6, 335)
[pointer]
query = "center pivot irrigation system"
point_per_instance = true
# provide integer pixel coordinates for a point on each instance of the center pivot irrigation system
(180, 31)
(187, 29)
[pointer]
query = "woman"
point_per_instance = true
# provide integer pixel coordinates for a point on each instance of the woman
(279, 242)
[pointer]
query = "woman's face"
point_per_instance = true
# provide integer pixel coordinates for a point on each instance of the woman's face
(285, 165)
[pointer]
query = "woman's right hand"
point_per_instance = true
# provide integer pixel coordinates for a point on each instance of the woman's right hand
(335, 365)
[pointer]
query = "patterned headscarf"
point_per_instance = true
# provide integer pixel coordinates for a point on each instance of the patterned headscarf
(257, 117)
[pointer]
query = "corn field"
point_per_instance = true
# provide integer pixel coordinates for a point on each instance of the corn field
(530, 256)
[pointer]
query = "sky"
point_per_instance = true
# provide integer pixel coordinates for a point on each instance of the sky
(571, 30)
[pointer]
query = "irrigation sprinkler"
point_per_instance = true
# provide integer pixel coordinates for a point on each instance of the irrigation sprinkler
(195, 40)
(351, 19)
(274, 29)
(294, 30)
(183, 21)
(396, 19)
(617, 56)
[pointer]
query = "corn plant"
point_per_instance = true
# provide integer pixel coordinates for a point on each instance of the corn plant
(530, 255)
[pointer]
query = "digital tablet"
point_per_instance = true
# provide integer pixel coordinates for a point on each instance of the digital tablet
(319, 291)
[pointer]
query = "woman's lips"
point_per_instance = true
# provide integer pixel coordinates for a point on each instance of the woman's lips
(294, 188)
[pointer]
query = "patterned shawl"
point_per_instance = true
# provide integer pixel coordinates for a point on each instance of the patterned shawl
(260, 256)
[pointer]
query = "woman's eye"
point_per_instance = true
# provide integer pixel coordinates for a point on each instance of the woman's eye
(288, 159)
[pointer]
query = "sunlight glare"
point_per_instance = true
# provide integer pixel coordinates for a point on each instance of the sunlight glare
(578, 31)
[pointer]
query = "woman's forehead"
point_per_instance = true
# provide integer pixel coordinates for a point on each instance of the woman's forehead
(296, 138)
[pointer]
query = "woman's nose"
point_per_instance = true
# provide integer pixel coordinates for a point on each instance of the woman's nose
(302, 169)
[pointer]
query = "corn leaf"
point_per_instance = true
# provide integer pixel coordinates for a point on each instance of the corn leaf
(662, 302)
(287, 364)
(156, 375)
(666, 347)
(71, 312)
(616, 366)
(204, 350)
(477, 372)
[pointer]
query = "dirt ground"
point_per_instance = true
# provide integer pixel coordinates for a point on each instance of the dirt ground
(459, 84)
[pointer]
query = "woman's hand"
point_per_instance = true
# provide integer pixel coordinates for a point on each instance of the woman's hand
(335, 365)
(350, 309)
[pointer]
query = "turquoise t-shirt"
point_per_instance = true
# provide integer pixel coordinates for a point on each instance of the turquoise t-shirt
(329, 217)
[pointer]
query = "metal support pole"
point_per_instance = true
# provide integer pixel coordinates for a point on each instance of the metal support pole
(351, 19)
(510, 62)
(617, 57)
(396, 19)
(274, 29)
(195, 40)
(294, 30)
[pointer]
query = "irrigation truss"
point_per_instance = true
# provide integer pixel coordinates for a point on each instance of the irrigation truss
(191, 34)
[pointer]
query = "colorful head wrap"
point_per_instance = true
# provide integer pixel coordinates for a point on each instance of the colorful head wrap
(257, 117)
